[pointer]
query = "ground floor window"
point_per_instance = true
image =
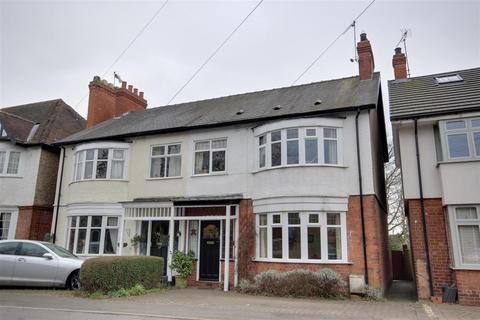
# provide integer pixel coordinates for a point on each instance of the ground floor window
(93, 234)
(5, 218)
(302, 236)
(465, 227)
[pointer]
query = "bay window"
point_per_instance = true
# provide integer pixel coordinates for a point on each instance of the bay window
(299, 146)
(465, 228)
(165, 161)
(9, 162)
(461, 138)
(302, 236)
(92, 234)
(101, 163)
(210, 156)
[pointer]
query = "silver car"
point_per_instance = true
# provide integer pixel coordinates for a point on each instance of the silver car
(35, 263)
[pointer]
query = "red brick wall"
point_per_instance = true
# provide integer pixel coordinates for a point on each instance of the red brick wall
(438, 246)
(33, 222)
(468, 284)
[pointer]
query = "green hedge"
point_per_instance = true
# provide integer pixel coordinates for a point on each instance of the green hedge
(113, 273)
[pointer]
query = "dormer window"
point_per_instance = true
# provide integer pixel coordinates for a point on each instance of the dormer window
(448, 79)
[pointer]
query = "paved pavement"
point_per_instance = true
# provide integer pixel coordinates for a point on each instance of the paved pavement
(208, 304)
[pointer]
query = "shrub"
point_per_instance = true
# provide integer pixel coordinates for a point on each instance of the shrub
(371, 293)
(114, 273)
(182, 263)
(296, 283)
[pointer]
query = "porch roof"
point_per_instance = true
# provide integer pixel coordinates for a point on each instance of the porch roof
(194, 200)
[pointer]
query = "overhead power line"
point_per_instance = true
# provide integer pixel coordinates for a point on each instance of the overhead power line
(149, 22)
(332, 43)
(214, 53)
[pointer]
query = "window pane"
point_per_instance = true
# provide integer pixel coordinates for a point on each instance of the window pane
(261, 156)
(102, 154)
(333, 219)
(262, 219)
(452, 125)
(193, 236)
(2, 160)
(71, 240)
(219, 144)
(294, 247)
(476, 142)
(334, 243)
(202, 162)
(470, 243)
(158, 151)
(90, 154)
(313, 218)
(232, 239)
(83, 221)
(292, 133)
(277, 242)
(174, 165)
(101, 169)
(78, 171)
(276, 154)
(157, 168)
(458, 145)
(329, 133)
(218, 161)
(82, 237)
(118, 154)
(94, 245)
(263, 243)
(476, 123)
(292, 152)
(96, 221)
(466, 213)
(110, 244)
(4, 224)
(174, 149)
(261, 140)
(117, 169)
(330, 151)
(13, 161)
(32, 250)
(202, 145)
(73, 222)
(88, 170)
(276, 136)
(311, 151)
(314, 249)
(112, 221)
(311, 132)
(293, 218)
(277, 218)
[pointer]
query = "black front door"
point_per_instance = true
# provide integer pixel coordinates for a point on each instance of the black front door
(159, 241)
(209, 250)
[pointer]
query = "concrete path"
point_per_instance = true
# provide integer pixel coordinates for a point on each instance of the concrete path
(203, 304)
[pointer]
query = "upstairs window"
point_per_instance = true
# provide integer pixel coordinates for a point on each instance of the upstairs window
(100, 164)
(462, 138)
(9, 162)
(210, 156)
(165, 161)
(299, 146)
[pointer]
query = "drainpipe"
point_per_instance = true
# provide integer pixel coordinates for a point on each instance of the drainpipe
(58, 196)
(362, 213)
(422, 208)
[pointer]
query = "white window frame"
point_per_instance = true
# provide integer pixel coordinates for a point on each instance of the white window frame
(6, 161)
(302, 137)
(103, 228)
(211, 150)
(454, 223)
(12, 228)
(166, 155)
(109, 161)
(304, 224)
(469, 131)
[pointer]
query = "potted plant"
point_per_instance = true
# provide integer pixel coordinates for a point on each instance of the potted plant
(160, 239)
(137, 240)
(182, 265)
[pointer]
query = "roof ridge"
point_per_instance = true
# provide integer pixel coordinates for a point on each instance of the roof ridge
(26, 104)
(433, 75)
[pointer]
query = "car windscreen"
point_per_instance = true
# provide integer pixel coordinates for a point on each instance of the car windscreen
(61, 252)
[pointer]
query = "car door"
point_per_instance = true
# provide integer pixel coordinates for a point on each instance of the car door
(31, 268)
(7, 261)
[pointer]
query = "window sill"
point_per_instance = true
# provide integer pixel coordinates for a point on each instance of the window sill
(209, 174)
(304, 261)
(457, 161)
(14, 176)
(466, 268)
(163, 178)
(99, 180)
(301, 166)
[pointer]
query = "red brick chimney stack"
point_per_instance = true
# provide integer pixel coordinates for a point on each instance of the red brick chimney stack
(107, 101)
(399, 63)
(366, 64)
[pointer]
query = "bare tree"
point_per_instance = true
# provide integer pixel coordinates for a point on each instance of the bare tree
(397, 222)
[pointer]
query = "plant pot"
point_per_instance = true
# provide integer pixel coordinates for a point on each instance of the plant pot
(180, 282)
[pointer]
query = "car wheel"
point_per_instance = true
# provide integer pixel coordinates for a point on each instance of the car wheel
(73, 282)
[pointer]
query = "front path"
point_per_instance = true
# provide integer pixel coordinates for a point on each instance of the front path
(203, 304)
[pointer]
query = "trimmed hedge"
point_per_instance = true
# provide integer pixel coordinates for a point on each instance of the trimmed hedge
(113, 273)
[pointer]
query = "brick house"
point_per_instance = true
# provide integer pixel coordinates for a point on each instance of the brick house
(271, 180)
(29, 165)
(436, 128)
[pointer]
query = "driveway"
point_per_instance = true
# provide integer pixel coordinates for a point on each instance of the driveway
(203, 304)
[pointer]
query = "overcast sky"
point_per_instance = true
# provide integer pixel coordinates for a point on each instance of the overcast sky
(53, 49)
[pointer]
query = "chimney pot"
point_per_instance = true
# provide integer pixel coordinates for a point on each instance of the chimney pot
(130, 88)
(96, 78)
(363, 36)
(141, 94)
(124, 84)
(135, 91)
(398, 50)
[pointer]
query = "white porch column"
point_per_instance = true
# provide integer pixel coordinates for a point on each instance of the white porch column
(226, 264)
(171, 231)
(237, 227)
